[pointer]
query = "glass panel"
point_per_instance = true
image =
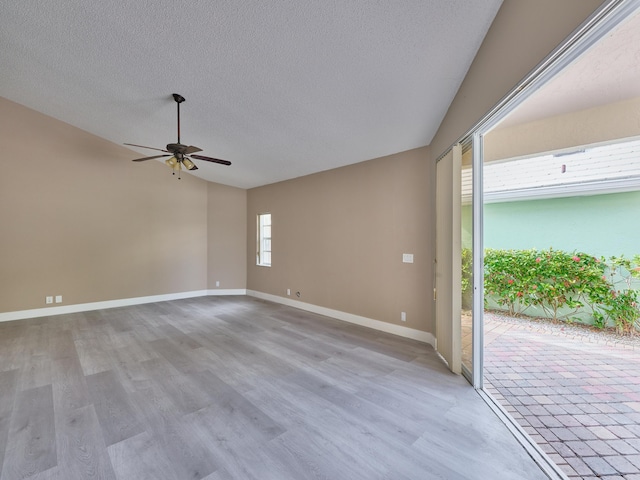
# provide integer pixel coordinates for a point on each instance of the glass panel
(264, 239)
(466, 256)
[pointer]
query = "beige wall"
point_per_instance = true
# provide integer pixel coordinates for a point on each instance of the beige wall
(521, 36)
(79, 219)
(595, 125)
(227, 237)
(339, 236)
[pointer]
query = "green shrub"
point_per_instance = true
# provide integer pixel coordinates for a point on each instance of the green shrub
(564, 284)
(467, 273)
(621, 306)
(506, 276)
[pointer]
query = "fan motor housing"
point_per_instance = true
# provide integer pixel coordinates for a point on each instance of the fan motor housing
(176, 147)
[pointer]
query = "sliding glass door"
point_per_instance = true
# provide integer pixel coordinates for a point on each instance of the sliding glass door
(459, 293)
(447, 267)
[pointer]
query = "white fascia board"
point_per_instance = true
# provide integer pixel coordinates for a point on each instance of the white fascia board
(599, 187)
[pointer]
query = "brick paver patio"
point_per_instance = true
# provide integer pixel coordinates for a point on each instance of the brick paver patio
(575, 393)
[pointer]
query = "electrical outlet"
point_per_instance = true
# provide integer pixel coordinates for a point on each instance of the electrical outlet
(48, 300)
(217, 283)
(58, 298)
(288, 292)
(403, 316)
(407, 257)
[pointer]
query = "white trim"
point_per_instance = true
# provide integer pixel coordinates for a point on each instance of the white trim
(399, 330)
(596, 187)
(229, 291)
(477, 318)
(124, 302)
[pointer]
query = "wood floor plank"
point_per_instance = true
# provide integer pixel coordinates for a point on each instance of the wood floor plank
(189, 457)
(178, 337)
(36, 371)
(120, 320)
(184, 394)
(386, 423)
(12, 344)
(241, 324)
(81, 449)
(31, 446)
(116, 416)
(94, 349)
(61, 344)
(238, 362)
(317, 456)
(232, 418)
(8, 388)
(69, 385)
(140, 458)
(181, 358)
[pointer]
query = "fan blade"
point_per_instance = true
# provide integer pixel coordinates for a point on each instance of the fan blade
(191, 149)
(214, 160)
(150, 148)
(149, 158)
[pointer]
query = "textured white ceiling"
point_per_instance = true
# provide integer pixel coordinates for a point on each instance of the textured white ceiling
(280, 88)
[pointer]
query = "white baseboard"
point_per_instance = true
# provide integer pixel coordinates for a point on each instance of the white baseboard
(399, 330)
(227, 291)
(124, 302)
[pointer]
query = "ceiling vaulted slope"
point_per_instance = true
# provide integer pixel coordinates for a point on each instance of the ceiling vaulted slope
(281, 89)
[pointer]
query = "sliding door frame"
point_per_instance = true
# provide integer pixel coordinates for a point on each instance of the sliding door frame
(477, 325)
(608, 16)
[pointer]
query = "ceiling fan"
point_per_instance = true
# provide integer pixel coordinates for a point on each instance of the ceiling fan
(180, 154)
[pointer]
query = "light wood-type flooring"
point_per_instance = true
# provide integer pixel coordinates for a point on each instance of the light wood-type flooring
(237, 388)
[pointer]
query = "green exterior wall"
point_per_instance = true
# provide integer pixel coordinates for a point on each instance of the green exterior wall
(602, 225)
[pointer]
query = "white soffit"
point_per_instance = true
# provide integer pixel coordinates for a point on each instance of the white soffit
(608, 72)
(280, 88)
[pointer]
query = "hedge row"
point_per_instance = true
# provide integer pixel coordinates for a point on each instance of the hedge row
(563, 285)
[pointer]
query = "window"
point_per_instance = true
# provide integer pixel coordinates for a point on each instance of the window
(264, 240)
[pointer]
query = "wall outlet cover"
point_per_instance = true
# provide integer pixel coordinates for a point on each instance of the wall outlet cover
(407, 257)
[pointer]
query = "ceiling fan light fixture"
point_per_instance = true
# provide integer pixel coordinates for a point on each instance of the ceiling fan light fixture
(171, 162)
(188, 164)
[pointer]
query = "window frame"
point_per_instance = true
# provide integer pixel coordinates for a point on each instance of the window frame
(262, 252)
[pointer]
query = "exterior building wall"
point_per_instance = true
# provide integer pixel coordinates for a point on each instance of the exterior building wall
(602, 225)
